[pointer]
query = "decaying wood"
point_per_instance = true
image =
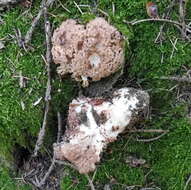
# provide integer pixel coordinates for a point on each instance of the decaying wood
(48, 86)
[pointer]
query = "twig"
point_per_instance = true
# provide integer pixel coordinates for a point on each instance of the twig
(155, 20)
(48, 86)
(148, 131)
(42, 182)
(29, 33)
(103, 12)
(179, 79)
(152, 139)
(78, 8)
(182, 17)
(19, 38)
(187, 182)
(90, 182)
(166, 16)
(65, 163)
(64, 7)
(174, 47)
(113, 8)
(9, 2)
(59, 126)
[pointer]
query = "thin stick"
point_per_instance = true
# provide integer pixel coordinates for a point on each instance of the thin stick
(29, 33)
(65, 163)
(103, 12)
(35, 22)
(9, 2)
(90, 182)
(48, 86)
(156, 20)
(59, 126)
(182, 17)
(187, 182)
(42, 182)
(148, 131)
(174, 47)
(179, 79)
(78, 7)
(152, 139)
(165, 15)
(64, 7)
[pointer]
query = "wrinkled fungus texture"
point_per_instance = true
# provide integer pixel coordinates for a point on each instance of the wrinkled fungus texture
(88, 52)
(95, 122)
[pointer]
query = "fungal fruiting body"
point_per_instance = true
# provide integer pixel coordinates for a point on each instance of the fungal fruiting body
(87, 52)
(95, 122)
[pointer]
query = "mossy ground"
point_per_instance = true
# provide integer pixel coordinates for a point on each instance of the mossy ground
(168, 159)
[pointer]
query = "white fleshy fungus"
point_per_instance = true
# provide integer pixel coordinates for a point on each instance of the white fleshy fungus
(95, 122)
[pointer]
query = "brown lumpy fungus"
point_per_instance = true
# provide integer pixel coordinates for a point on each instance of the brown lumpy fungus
(87, 52)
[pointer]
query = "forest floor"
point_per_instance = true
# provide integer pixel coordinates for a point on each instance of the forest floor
(164, 163)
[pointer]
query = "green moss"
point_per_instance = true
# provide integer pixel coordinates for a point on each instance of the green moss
(168, 159)
(8, 183)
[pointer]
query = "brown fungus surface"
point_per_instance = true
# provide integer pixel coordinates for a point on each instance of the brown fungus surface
(88, 52)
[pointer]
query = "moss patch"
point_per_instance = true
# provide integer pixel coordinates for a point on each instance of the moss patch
(168, 159)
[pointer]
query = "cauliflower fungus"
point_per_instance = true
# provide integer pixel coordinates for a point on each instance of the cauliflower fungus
(88, 52)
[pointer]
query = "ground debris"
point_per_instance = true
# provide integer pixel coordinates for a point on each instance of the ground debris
(135, 162)
(2, 45)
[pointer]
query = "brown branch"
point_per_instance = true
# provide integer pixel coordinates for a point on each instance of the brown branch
(147, 131)
(152, 139)
(182, 17)
(9, 2)
(61, 162)
(156, 20)
(59, 126)
(178, 79)
(48, 86)
(90, 182)
(36, 20)
(187, 182)
(42, 182)
(165, 15)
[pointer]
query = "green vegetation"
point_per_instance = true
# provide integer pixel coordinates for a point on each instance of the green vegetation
(168, 159)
